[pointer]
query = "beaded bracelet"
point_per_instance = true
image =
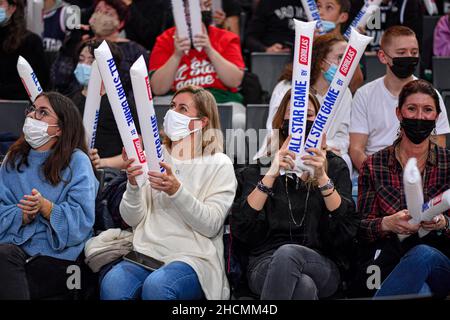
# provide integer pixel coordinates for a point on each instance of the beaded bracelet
(261, 187)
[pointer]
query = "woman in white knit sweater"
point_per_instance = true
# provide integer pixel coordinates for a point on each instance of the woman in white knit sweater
(178, 216)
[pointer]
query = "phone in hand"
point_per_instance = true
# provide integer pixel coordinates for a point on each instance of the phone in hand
(143, 260)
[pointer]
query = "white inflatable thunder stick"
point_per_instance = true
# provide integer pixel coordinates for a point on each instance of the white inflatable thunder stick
(35, 16)
(29, 78)
(121, 110)
(367, 11)
(179, 17)
(195, 14)
(92, 105)
(434, 207)
(304, 34)
(412, 184)
(312, 13)
(146, 114)
(355, 48)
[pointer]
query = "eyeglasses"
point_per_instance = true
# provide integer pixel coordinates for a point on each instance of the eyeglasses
(39, 113)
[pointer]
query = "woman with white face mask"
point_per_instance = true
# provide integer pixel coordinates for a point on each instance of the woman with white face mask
(177, 216)
(108, 143)
(47, 200)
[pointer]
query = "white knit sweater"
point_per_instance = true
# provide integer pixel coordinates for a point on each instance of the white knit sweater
(187, 226)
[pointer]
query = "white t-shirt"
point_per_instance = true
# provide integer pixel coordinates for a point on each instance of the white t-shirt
(373, 113)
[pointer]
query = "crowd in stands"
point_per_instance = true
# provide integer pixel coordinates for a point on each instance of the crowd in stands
(222, 230)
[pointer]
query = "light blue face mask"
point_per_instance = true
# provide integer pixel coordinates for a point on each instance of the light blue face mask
(3, 16)
(83, 73)
(329, 74)
(328, 25)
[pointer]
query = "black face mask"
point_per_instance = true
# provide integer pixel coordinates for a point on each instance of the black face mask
(417, 130)
(285, 127)
(404, 67)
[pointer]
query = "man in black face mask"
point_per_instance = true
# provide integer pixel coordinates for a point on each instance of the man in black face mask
(373, 123)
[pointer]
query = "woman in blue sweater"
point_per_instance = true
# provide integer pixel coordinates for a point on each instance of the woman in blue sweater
(47, 201)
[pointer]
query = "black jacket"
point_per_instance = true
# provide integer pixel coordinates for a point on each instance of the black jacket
(11, 87)
(330, 233)
(272, 23)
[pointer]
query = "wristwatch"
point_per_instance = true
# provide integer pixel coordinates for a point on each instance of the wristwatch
(327, 186)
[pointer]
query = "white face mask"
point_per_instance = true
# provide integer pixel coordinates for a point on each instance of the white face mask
(176, 125)
(35, 132)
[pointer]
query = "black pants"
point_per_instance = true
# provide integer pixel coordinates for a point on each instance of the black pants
(41, 278)
(293, 272)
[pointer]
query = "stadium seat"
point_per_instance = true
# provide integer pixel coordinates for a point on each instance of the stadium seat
(256, 117)
(426, 43)
(268, 67)
(374, 68)
(12, 116)
(441, 72)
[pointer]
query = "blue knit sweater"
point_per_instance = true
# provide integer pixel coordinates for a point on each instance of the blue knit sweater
(73, 214)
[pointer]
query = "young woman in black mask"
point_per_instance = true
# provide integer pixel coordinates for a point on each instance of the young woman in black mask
(297, 229)
(418, 265)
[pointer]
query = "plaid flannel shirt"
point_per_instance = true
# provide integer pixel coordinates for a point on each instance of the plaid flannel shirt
(381, 192)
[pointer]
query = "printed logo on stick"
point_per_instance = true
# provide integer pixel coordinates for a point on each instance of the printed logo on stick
(147, 82)
(139, 151)
(348, 60)
(304, 50)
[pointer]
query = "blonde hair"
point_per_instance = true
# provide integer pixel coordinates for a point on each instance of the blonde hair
(212, 136)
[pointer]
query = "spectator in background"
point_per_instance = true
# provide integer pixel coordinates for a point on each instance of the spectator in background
(177, 216)
(47, 201)
(327, 54)
(218, 67)
(228, 17)
(108, 143)
(334, 14)
(441, 43)
(54, 25)
(373, 125)
(108, 19)
(298, 229)
(147, 20)
(15, 40)
(271, 28)
(408, 13)
(418, 265)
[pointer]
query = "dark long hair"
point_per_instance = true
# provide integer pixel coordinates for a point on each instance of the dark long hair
(72, 137)
(16, 26)
(419, 86)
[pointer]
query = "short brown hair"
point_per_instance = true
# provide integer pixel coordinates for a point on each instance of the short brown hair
(393, 32)
(345, 6)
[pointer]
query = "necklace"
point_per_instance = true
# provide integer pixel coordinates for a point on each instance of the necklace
(420, 161)
(291, 214)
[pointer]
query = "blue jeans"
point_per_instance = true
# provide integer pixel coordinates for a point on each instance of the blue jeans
(423, 269)
(129, 281)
